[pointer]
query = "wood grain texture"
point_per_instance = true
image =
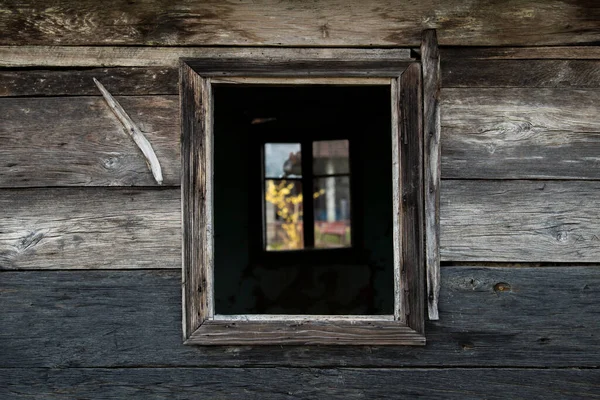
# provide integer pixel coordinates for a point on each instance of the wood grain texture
(324, 23)
(513, 133)
(291, 67)
(139, 81)
(520, 221)
(71, 228)
(522, 53)
(489, 317)
(160, 57)
(110, 56)
(412, 252)
(196, 199)
(309, 332)
(458, 72)
(432, 157)
(487, 133)
(90, 228)
(267, 383)
(76, 82)
(79, 142)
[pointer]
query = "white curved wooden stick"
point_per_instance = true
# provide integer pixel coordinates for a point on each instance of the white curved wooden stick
(134, 132)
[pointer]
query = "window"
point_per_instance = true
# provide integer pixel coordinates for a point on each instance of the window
(306, 191)
(307, 208)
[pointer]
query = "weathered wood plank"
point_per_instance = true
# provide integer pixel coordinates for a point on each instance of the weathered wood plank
(457, 72)
(521, 53)
(529, 221)
(139, 81)
(497, 133)
(432, 166)
(197, 198)
(78, 141)
(107, 56)
(76, 82)
(520, 221)
(325, 23)
(90, 228)
(350, 332)
(269, 383)
(513, 133)
(412, 250)
(489, 317)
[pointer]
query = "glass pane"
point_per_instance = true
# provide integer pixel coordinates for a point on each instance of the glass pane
(283, 215)
(330, 157)
(283, 160)
(332, 212)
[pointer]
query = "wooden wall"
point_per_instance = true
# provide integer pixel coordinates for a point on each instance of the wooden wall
(90, 252)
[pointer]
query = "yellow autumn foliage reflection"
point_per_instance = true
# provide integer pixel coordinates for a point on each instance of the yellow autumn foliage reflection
(289, 209)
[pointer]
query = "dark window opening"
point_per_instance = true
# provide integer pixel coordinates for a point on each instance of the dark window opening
(303, 200)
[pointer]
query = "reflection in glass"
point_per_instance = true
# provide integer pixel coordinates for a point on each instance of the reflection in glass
(330, 157)
(332, 212)
(283, 160)
(283, 211)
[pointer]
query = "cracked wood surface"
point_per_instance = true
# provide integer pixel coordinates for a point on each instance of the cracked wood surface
(89, 228)
(269, 383)
(373, 23)
(489, 317)
(487, 133)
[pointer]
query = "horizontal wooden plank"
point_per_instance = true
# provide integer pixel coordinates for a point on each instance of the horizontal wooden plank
(457, 72)
(487, 133)
(507, 221)
(469, 53)
(107, 56)
(541, 221)
(516, 133)
(123, 56)
(91, 228)
(76, 82)
(269, 383)
(489, 317)
(138, 81)
(324, 23)
(79, 141)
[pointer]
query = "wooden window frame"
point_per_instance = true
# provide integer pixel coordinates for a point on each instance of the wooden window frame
(201, 326)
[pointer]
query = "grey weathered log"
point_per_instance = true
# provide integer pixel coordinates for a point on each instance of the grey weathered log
(432, 158)
(131, 81)
(510, 221)
(83, 144)
(507, 221)
(458, 72)
(521, 53)
(269, 383)
(498, 133)
(90, 228)
(512, 133)
(134, 132)
(489, 317)
(107, 56)
(324, 23)
(139, 81)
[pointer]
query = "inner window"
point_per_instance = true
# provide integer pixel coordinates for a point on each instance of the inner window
(311, 208)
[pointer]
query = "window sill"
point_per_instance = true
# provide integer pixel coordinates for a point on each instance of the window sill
(304, 330)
